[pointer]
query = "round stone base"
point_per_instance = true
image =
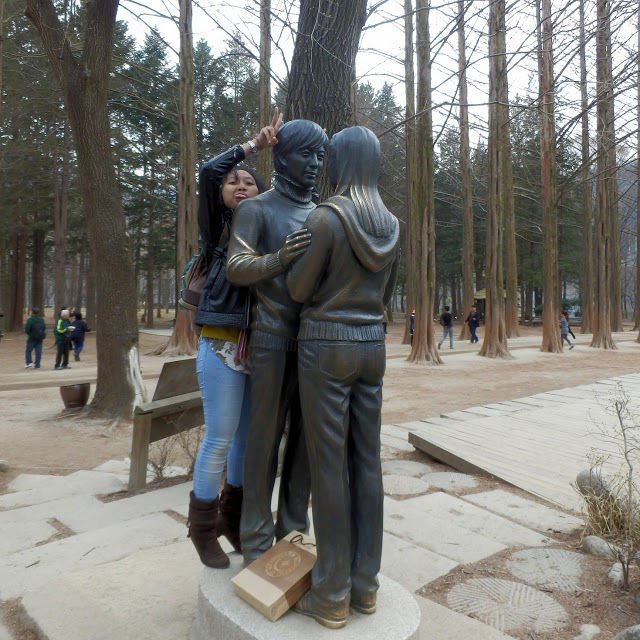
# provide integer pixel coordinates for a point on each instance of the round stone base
(222, 614)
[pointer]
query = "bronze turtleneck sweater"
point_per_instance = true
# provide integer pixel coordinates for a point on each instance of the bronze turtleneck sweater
(260, 226)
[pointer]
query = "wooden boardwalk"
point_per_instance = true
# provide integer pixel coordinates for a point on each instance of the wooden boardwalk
(538, 443)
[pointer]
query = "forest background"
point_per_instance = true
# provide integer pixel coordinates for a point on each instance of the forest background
(46, 256)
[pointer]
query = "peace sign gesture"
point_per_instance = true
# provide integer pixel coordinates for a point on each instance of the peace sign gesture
(268, 136)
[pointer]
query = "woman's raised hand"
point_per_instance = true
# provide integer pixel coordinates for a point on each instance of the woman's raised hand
(268, 136)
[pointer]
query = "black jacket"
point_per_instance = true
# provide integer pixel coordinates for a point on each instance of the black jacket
(222, 304)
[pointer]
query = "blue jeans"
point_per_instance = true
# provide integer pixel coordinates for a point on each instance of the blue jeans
(226, 407)
(446, 331)
(33, 345)
(78, 345)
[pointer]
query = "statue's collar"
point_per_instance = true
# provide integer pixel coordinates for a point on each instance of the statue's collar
(292, 190)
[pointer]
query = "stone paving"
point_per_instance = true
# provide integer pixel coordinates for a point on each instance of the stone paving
(85, 568)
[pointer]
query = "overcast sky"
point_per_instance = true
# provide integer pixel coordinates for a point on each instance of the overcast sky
(382, 46)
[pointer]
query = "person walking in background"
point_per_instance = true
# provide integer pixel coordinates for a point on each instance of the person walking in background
(412, 323)
(446, 321)
(36, 331)
(473, 320)
(63, 329)
(80, 327)
(564, 329)
(566, 315)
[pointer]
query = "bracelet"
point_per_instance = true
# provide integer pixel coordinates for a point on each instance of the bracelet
(252, 146)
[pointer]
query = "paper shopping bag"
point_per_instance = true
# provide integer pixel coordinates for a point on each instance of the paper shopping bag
(273, 583)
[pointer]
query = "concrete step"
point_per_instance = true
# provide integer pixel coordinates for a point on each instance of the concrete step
(426, 529)
(410, 565)
(174, 498)
(44, 511)
(400, 444)
(4, 633)
(527, 512)
(17, 536)
(30, 569)
(121, 468)
(440, 623)
(34, 489)
(395, 431)
(443, 507)
(149, 595)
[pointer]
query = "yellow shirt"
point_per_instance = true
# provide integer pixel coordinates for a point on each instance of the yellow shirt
(228, 334)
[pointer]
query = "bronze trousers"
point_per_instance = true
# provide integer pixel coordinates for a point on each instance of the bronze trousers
(341, 394)
(274, 397)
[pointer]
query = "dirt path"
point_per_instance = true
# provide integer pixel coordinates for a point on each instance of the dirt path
(36, 437)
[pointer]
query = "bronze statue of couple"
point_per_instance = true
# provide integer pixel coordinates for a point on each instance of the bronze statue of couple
(320, 278)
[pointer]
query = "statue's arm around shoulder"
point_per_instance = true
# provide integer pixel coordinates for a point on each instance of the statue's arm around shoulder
(307, 271)
(245, 265)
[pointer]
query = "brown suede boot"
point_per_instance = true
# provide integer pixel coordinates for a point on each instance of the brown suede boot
(230, 511)
(202, 523)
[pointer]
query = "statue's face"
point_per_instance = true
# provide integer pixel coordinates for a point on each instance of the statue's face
(302, 166)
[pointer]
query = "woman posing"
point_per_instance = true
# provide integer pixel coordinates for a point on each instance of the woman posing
(222, 376)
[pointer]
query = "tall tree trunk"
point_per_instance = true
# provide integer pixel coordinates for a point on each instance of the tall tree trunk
(511, 258)
(37, 268)
(4, 282)
(84, 82)
(611, 183)
(423, 223)
(159, 283)
(510, 252)
(17, 273)
(637, 309)
(551, 340)
(90, 300)
(465, 176)
(78, 294)
(323, 62)
(183, 339)
(264, 85)
(606, 172)
(73, 282)
(495, 336)
(411, 164)
(148, 298)
(60, 216)
(586, 284)
(2, 39)
(322, 68)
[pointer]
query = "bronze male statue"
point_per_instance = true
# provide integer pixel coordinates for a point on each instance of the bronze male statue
(345, 279)
(267, 236)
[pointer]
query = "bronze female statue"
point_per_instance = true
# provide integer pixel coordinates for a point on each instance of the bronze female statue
(345, 279)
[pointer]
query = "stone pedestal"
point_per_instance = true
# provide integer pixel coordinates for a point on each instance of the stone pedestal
(223, 615)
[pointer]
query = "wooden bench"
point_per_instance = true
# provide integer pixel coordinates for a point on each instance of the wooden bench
(176, 407)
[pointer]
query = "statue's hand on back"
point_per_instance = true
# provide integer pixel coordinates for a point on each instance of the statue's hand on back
(295, 244)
